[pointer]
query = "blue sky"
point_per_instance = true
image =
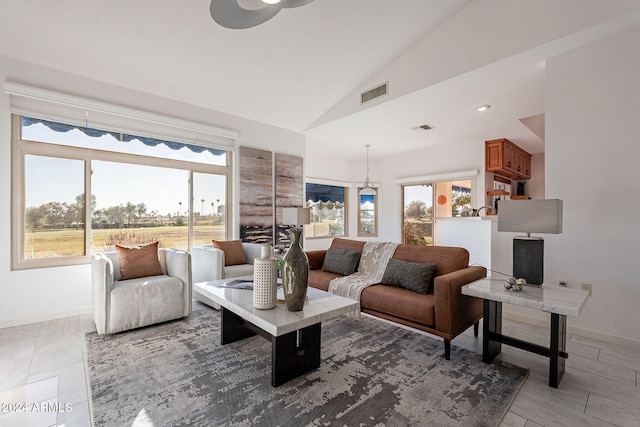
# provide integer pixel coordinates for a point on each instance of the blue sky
(422, 193)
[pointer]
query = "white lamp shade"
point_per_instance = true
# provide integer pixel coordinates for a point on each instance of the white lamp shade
(296, 216)
(530, 216)
(367, 191)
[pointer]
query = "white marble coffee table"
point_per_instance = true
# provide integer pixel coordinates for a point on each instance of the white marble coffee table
(559, 302)
(294, 335)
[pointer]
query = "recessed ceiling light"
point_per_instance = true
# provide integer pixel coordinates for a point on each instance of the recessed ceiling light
(483, 107)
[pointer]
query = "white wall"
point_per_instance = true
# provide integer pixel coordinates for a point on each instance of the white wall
(535, 187)
(592, 151)
(39, 294)
(515, 26)
(593, 106)
(473, 234)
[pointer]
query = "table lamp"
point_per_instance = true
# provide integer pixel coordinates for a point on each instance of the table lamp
(530, 216)
(296, 216)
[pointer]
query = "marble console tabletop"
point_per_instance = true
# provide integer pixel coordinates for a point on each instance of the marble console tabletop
(278, 321)
(552, 299)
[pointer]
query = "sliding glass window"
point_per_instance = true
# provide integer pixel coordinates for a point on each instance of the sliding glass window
(79, 191)
(418, 214)
(425, 202)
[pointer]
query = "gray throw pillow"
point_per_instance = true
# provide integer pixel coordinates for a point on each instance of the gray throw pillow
(341, 261)
(414, 276)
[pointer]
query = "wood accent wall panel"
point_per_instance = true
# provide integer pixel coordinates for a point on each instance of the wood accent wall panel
(289, 180)
(256, 195)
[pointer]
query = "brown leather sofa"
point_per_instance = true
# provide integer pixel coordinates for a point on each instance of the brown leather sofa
(444, 312)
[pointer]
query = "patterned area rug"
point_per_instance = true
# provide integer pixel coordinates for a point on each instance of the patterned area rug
(372, 374)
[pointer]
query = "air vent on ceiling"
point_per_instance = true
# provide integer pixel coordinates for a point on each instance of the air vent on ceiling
(422, 128)
(374, 93)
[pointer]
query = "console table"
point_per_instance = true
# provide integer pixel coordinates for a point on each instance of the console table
(559, 302)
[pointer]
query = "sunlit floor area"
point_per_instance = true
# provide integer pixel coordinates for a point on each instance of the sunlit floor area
(42, 371)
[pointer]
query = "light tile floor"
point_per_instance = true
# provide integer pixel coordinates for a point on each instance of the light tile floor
(42, 370)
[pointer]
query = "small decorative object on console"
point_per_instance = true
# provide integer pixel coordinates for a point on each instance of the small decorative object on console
(295, 273)
(514, 284)
(265, 280)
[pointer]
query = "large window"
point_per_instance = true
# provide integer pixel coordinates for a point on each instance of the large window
(425, 202)
(328, 210)
(79, 191)
(138, 204)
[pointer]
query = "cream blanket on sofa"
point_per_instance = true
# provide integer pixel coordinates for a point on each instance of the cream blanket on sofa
(373, 262)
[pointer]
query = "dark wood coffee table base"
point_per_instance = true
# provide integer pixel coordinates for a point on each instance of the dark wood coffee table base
(292, 354)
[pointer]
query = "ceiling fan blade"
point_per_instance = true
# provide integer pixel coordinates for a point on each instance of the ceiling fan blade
(229, 14)
(294, 3)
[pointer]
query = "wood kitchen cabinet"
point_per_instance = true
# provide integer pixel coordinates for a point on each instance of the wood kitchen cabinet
(505, 158)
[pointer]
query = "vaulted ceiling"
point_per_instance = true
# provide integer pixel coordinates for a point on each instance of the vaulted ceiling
(304, 69)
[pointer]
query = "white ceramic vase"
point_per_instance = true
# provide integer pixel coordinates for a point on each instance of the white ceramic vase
(265, 279)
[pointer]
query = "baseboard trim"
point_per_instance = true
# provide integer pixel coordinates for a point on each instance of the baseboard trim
(46, 317)
(585, 333)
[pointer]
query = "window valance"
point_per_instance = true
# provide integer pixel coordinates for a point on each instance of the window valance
(324, 193)
(51, 106)
(124, 137)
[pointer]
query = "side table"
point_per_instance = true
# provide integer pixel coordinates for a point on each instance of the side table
(559, 302)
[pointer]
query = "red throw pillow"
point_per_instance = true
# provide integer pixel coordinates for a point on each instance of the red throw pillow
(139, 261)
(233, 253)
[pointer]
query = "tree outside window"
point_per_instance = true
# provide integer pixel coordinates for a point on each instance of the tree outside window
(418, 214)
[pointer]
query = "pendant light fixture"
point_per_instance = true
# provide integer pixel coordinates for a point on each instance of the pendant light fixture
(368, 189)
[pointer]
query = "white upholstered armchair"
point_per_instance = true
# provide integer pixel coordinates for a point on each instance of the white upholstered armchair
(210, 263)
(120, 305)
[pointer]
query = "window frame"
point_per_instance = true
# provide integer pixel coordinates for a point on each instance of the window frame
(345, 187)
(436, 194)
(375, 215)
(404, 204)
(434, 181)
(20, 148)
